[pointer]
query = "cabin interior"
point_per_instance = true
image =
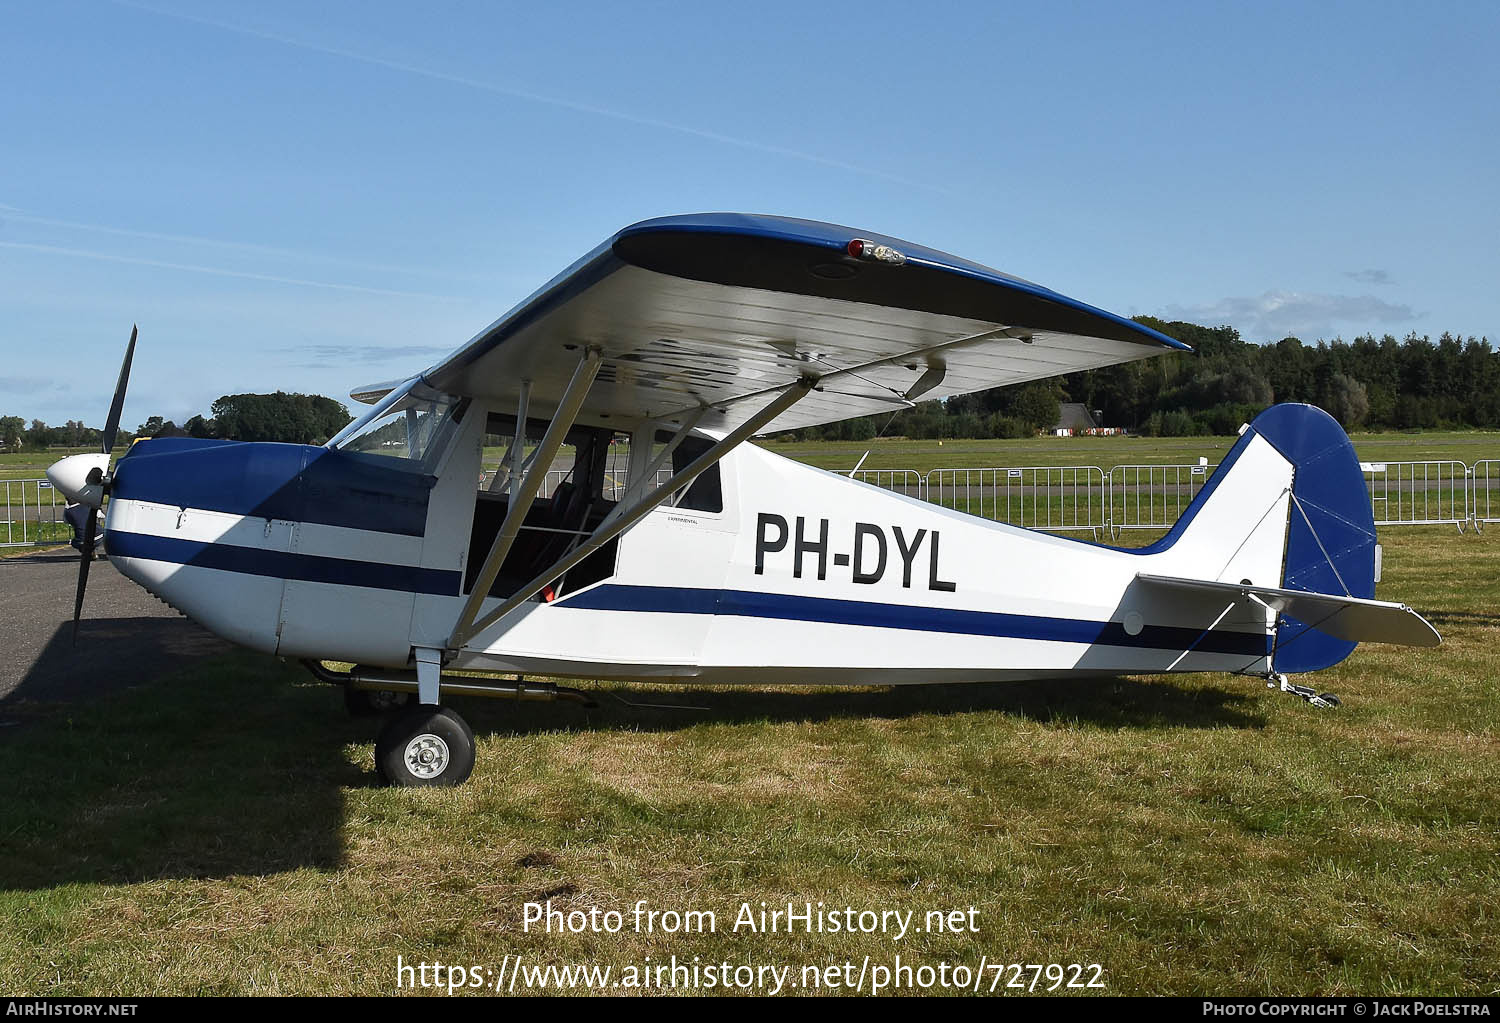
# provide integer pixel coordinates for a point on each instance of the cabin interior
(574, 500)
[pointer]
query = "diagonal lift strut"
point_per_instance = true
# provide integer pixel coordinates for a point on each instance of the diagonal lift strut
(469, 624)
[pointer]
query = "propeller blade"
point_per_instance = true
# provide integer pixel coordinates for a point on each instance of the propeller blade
(107, 443)
(112, 424)
(90, 530)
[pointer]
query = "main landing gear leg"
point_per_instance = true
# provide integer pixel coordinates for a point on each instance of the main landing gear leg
(425, 745)
(1312, 696)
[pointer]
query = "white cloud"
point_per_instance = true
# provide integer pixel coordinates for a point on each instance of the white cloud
(281, 255)
(333, 356)
(30, 385)
(1310, 316)
(527, 95)
(199, 268)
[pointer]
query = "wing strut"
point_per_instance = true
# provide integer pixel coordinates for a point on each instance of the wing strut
(524, 490)
(467, 628)
(511, 465)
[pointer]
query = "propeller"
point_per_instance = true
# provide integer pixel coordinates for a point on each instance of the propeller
(83, 569)
(95, 479)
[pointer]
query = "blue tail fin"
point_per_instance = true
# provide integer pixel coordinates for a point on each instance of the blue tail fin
(1330, 546)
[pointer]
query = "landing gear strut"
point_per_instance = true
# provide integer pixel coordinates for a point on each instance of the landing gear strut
(423, 744)
(1312, 696)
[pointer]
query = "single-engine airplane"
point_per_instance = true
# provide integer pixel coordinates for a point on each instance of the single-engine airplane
(683, 337)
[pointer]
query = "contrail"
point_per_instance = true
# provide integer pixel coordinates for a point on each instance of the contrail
(14, 213)
(216, 271)
(533, 97)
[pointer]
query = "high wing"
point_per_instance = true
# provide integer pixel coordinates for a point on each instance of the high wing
(1350, 618)
(719, 312)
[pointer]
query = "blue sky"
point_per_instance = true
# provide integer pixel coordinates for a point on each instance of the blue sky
(313, 196)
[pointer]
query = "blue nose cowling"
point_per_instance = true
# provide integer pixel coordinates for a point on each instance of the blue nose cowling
(293, 482)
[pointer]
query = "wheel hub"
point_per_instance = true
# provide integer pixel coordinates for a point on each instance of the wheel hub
(427, 755)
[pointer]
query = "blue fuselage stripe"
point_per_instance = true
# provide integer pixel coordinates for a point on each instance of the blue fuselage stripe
(832, 611)
(282, 564)
(685, 600)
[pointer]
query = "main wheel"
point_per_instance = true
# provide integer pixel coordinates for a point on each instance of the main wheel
(363, 703)
(425, 746)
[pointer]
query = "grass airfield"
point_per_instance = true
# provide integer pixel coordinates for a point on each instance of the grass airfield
(219, 830)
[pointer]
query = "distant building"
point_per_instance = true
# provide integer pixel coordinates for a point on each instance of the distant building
(1074, 420)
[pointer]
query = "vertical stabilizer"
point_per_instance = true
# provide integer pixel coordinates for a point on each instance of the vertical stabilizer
(1330, 545)
(1287, 508)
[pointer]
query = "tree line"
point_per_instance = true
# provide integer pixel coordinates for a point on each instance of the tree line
(1368, 383)
(16, 433)
(292, 418)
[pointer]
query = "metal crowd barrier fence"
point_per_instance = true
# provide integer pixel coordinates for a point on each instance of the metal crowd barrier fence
(1419, 493)
(1484, 492)
(1142, 496)
(551, 481)
(903, 481)
(614, 484)
(1065, 498)
(33, 514)
(1153, 496)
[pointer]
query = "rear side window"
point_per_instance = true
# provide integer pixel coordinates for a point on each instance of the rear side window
(705, 494)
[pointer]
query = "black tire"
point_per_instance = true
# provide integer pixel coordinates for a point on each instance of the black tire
(363, 703)
(425, 746)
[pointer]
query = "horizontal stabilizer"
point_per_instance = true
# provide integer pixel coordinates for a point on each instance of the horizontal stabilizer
(1348, 618)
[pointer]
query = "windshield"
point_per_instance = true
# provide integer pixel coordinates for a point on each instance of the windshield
(406, 424)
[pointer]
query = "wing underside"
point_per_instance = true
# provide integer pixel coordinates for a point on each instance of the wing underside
(719, 312)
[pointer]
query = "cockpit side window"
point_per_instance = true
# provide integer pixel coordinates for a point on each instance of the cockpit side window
(410, 425)
(706, 493)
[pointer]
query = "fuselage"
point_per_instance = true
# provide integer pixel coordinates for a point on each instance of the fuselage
(797, 576)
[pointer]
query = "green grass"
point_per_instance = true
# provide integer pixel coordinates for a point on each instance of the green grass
(32, 465)
(22, 552)
(220, 831)
(43, 546)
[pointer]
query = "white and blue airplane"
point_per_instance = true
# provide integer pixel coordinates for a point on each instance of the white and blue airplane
(683, 337)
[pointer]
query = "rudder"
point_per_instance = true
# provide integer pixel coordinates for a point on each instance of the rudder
(1330, 545)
